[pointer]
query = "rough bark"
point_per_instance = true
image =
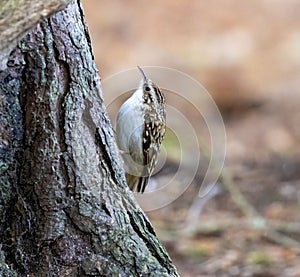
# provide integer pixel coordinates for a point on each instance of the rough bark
(65, 209)
(17, 17)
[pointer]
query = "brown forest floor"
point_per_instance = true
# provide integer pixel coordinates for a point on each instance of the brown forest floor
(247, 54)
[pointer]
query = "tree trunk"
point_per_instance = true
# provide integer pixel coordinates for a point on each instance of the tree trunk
(65, 209)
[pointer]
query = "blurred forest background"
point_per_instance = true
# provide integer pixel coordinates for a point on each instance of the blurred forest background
(247, 55)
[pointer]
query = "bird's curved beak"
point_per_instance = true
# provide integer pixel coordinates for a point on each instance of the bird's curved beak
(143, 73)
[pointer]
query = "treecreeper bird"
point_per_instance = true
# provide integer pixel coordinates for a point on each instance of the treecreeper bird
(140, 128)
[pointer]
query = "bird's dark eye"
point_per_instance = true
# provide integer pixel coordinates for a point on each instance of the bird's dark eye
(147, 88)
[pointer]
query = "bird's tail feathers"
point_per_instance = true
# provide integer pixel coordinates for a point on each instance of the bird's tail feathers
(137, 183)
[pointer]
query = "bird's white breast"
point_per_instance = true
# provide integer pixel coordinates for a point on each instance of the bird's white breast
(129, 122)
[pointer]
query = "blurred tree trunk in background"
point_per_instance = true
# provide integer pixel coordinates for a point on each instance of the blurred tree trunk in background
(65, 209)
